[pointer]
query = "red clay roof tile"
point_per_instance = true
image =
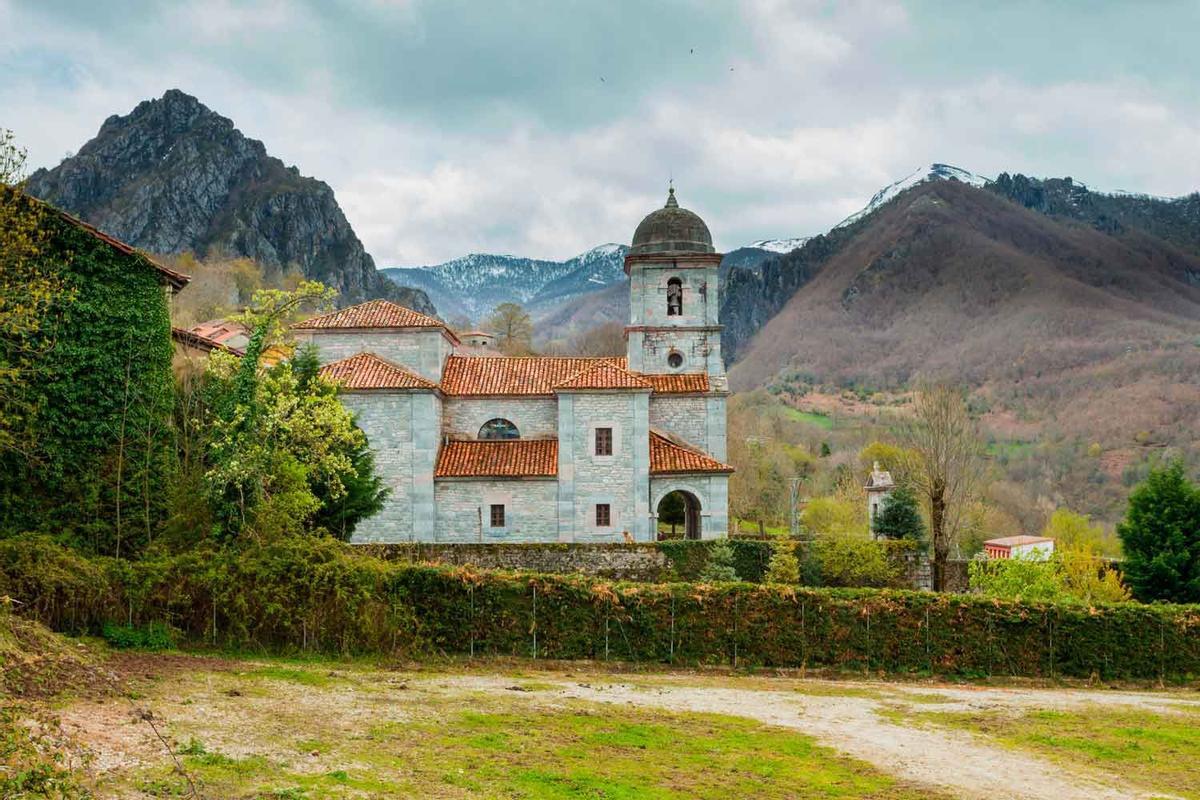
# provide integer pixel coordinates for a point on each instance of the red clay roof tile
(368, 371)
(372, 314)
(672, 457)
(481, 377)
(685, 383)
(604, 375)
(512, 458)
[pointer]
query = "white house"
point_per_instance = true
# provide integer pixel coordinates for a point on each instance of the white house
(1030, 548)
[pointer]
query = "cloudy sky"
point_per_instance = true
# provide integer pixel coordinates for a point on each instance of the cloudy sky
(544, 128)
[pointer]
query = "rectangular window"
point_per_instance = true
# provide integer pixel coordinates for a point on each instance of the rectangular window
(604, 441)
(497, 516)
(603, 515)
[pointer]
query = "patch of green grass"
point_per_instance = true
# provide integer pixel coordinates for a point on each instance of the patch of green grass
(619, 754)
(822, 421)
(295, 675)
(1159, 752)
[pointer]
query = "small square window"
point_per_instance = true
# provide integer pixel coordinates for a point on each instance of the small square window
(497, 516)
(603, 515)
(604, 441)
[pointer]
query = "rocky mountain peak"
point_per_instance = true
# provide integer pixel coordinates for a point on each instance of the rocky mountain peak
(174, 176)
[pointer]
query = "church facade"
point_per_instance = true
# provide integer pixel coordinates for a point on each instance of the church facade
(479, 447)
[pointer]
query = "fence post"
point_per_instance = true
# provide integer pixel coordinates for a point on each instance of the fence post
(672, 639)
(471, 593)
(534, 621)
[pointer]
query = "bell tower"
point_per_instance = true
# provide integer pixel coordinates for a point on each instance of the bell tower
(673, 295)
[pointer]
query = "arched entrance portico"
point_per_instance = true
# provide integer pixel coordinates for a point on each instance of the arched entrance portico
(677, 515)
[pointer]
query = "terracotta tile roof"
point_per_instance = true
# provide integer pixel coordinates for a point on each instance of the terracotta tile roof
(672, 457)
(200, 342)
(369, 371)
(1017, 541)
(371, 314)
(686, 383)
(466, 375)
(605, 375)
(176, 279)
(511, 458)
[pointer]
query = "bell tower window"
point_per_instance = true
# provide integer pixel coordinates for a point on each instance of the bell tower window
(674, 298)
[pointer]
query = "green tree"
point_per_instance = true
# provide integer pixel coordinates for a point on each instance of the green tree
(899, 517)
(783, 567)
(1070, 530)
(362, 496)
(1161, 537)
(720, 564)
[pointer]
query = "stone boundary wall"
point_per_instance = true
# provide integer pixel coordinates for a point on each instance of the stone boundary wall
(628, 562)
(644, 561)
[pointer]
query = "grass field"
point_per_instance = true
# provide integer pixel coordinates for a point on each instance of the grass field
(1159, 752)
(280, 728)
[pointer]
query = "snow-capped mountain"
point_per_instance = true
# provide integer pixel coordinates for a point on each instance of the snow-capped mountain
(934, 172)
(472, 286)
(779, 245)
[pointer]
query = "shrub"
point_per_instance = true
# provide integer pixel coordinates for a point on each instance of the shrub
(784, 566)
(854, 561)
(720, 564)
(154, 636)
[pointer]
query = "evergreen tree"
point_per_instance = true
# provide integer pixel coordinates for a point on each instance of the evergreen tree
(899, 517)
(363, 495)
(720, 564)
(1161, 537)
(784, 567)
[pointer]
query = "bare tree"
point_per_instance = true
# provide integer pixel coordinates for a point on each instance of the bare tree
(513, 329)
(947, 466)
(605, 339)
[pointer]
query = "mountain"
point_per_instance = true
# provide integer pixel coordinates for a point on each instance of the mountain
(173, 176)
(1091, 330)
(472, 286)
(934, 172)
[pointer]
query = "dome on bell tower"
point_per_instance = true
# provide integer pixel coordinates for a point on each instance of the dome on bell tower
(671, 229)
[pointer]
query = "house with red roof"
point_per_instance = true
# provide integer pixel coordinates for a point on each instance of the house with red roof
(480, 447)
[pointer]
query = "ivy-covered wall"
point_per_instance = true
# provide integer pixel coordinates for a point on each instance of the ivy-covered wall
(100, 466)
(318, 594)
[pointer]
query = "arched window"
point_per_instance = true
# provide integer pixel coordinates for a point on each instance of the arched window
(674, 298)
(499, 428)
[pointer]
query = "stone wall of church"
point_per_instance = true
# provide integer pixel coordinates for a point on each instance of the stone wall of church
(423, 351)
(402, 431)
(712, 491)
(587, 479)
(464, 511)
(686, 417)
(535, 417)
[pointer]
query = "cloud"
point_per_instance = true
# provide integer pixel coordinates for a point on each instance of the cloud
(448, 128)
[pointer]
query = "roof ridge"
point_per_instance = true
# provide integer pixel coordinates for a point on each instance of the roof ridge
(176, 278)
(374, 358)
(604, 365)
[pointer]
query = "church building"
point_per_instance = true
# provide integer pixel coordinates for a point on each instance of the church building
(484, 448)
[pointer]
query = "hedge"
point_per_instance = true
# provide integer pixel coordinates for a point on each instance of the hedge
(322, 596)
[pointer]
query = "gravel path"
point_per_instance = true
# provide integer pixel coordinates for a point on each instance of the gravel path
(960, 763)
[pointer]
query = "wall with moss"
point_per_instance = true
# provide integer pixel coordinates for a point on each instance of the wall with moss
(104, 397)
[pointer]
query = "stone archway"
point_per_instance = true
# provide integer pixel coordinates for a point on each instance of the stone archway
(677, 516)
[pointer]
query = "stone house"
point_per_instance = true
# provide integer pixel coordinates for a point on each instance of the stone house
(487, 448)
